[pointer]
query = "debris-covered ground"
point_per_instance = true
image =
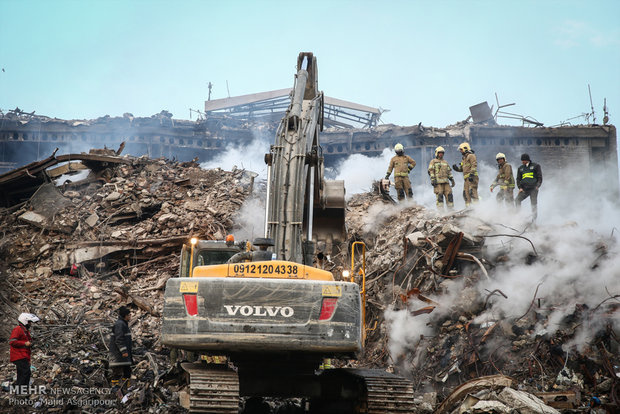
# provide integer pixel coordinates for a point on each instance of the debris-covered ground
(455, 297)
(483, 315)
(74, 255)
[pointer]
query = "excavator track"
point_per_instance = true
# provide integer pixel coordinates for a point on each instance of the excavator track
(212, 389)
(364, 391)
(388, 394)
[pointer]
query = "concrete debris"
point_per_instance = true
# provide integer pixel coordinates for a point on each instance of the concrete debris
(73, 253)
(432, 266)
(524, 402)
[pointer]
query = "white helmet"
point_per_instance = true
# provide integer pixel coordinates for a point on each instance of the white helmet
(500, 155)
(25, 318)
(398, 147)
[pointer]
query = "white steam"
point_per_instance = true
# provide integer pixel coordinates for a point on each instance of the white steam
(248, 157)
(409, 329)
(578, 263)
(250, 219)
(360, 171)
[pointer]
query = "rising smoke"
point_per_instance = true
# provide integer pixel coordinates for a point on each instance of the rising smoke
(577, 263)
(250, 220)
(571, 234)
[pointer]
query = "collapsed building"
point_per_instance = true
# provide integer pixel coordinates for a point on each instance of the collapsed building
(447, 304)
(444, 292)
(349, 128)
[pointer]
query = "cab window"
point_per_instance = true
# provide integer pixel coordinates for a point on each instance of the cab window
(213, 257)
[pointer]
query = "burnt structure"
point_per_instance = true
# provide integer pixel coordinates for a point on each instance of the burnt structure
(349, 128)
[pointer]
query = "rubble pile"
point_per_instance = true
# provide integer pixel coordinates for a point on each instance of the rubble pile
(431, 311)
(106, 232)
(74, 252)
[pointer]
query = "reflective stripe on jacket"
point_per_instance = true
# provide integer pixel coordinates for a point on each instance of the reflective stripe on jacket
(529, 176)
(17, 342)
(402, 165)
(120, 343)
(469, 165)
(439, 170)
(504, 177)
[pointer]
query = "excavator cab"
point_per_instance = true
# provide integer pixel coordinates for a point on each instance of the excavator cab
(205, 253)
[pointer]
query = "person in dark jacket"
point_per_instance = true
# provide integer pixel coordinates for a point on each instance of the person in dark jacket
(20, 347)
(529, 180)
(121, 357)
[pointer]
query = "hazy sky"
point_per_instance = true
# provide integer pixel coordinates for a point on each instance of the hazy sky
(425, 61)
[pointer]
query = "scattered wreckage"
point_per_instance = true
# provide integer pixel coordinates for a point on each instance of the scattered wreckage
(73, 252)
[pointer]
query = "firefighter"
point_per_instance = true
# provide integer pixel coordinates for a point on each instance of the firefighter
(20, 344)
(402, 165)
(529, 180)
(120, 349)
(440, 172)
(469, 168)
(504, 180)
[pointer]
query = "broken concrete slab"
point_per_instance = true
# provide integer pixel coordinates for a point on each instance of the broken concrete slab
(471, 387)
(113, 196)
(525, 402)
(35, 219)
(489, 407)
(92, 220)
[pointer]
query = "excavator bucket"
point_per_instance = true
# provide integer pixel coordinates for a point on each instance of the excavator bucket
(328, 222)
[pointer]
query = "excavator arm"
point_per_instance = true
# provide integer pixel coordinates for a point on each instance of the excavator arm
(304, 211)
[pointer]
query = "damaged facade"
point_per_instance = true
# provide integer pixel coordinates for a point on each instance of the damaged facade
(349, 129)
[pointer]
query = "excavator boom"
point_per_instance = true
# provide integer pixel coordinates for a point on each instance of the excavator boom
(303, 208)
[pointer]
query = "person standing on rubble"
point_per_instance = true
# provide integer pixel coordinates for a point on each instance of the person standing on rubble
(20, 343)
(120, 349)
(469, 167)
(440, 172)
(402, 165)
(504, 180)
(529, 180)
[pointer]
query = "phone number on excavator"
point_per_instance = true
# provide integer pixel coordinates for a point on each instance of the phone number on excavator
(290, 270)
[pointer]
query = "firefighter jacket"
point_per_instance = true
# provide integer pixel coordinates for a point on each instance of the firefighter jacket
(120, 343)
(504, 178)
(440, 171)
(469, 165)
(17, 342)
(401, 164)
(529, 176)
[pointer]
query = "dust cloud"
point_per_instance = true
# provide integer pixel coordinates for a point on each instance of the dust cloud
(576, 262)
(359, 171)
(242, 156)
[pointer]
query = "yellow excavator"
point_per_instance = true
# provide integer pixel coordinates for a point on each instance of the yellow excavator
(267, 307)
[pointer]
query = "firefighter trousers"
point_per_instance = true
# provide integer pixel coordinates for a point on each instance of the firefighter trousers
(403, 186)
(507, 196)
(443, 190)
(470, 190)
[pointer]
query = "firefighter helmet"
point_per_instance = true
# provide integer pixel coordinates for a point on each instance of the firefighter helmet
(500, 155)
(464, 147)
(399, 147)
(438, 150)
